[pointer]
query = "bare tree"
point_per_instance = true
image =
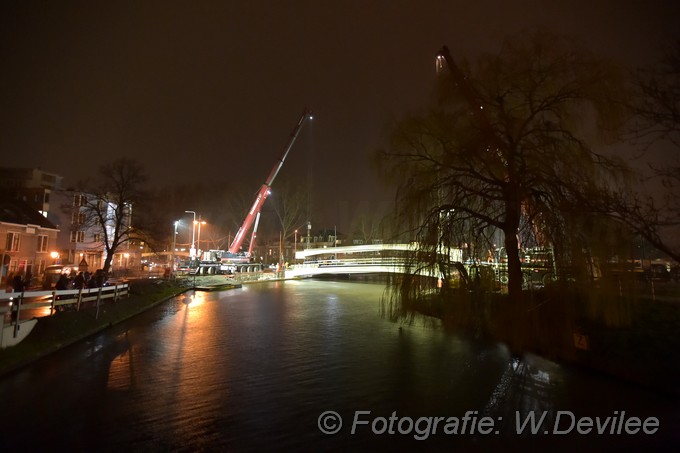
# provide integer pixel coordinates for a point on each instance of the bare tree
(655, 216)
(107, 204)
(509, 148)
(366, 227)
(289, 202)
(658, 107)
(372, 224)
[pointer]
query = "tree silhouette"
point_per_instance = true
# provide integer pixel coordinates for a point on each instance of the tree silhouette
(107, 203)
(290, 201)
(511, 146)
(655, 216)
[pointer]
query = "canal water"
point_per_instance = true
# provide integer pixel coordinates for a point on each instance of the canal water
(270, 366)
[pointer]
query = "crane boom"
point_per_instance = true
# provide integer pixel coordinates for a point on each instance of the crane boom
(473, 98)
(262, 194)
(469, 93)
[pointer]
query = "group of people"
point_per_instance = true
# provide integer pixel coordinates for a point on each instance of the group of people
(81, 280)
(18, 281)
(21, 281)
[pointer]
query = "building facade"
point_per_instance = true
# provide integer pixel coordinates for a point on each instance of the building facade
(79, 240)
(27, 239)
(31, 185)
(82, 242)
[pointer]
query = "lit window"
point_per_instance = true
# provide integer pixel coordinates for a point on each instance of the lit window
(77, 236)
(13, 240)
(42, 243)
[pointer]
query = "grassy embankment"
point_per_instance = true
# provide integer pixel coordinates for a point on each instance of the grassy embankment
(54, 332)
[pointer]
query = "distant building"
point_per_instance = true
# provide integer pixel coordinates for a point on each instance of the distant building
(30, 185)
(85, 238)
(78, 238)
(27, 239)
(271, 252)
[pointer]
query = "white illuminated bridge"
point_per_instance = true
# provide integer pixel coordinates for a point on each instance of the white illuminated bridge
(357, 259)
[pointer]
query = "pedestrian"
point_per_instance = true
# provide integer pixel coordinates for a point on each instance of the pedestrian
(79, 281)
(63, 283)
(99, 276)
(28, 279)
(18, 282)
(9, 283)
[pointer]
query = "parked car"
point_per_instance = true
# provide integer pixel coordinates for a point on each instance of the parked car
(52, 274)
(658, 272)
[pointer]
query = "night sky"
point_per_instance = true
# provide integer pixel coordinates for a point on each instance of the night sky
(210, 90)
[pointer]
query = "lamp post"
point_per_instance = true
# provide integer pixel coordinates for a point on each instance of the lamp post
(309, 232)
(198, 240)
(174, 246)
(295, 246)
(192, 251)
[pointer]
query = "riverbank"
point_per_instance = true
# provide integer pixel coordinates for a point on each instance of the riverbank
(629, 336)
(52, 333)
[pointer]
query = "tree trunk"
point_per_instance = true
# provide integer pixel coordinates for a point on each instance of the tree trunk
(514, 265)
(107, 263)
(513, 212)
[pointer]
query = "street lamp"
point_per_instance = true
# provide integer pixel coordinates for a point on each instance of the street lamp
(295, 246)
(309, 232)
(192, 251)
(174, 246)
(198, 241)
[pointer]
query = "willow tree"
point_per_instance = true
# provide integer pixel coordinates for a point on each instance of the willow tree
(510, 146)
(658, 105)
(656, 216)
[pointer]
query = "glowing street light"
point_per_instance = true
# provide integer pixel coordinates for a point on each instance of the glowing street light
(174, 245)
(199, 222)
(309, 232)
(192, 251)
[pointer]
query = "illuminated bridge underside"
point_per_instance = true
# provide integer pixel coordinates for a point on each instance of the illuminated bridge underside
(312, 269)
(354, 260)
(305, 254)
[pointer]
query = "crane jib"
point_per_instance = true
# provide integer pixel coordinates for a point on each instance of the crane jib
(306, 114)
(264, 190)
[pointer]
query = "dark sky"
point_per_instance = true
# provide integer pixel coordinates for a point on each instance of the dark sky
(210, 90)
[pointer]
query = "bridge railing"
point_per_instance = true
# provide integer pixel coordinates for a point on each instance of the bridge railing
(353, 262)
(46, 303)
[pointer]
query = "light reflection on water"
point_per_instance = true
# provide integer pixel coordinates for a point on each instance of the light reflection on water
(253, 368)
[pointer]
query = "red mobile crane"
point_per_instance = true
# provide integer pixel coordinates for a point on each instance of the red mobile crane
(218, 261)
(254, 213)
